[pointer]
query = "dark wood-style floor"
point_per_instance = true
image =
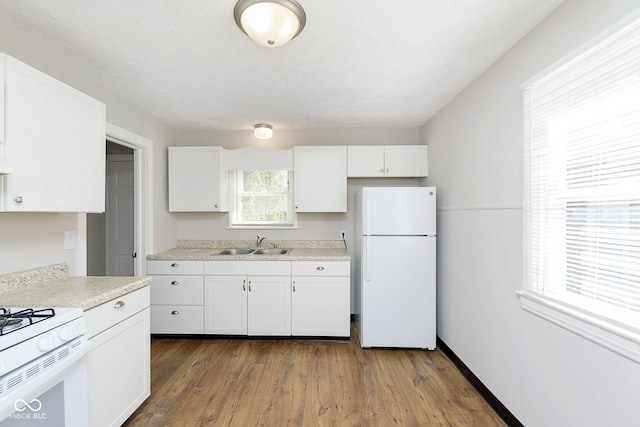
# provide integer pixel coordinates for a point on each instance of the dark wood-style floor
(287, 382)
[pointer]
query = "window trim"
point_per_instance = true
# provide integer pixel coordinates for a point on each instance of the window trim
(620, 338)
(233, 196)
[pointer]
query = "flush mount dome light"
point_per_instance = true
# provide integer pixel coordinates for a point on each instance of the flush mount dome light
(263, 131)
(270, 23)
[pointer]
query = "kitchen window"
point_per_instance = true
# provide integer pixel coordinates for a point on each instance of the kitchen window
(261, 199)
(582, 191)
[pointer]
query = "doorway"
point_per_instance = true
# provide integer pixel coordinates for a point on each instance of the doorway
(110, 235)
(117, 242)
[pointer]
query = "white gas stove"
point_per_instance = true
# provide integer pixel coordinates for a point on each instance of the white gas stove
(41, 348)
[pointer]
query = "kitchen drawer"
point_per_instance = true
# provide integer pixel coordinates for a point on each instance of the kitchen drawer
(181, 290)
(174, 267)
(111, 313)
(247, 268)
(320, 268)
(177, 319)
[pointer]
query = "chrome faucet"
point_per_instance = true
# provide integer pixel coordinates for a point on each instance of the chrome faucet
(259, 241)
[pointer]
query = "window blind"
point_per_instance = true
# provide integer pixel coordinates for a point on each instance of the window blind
(582, 179)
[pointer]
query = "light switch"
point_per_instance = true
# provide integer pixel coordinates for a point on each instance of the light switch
(69, 239)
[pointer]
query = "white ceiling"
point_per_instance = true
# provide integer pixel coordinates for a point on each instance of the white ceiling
(357, 63)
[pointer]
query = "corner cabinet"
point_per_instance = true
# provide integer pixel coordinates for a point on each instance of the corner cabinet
(119, 362)
(390, 161)
(52, 144)
(320, 298)
(197, 181)
(320, 179)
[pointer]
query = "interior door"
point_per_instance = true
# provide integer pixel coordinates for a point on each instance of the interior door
(120, 215)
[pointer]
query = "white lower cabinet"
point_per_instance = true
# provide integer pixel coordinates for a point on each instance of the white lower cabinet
(177, 297)
(119, 360)
(268, 298)
(320, 299)
(257, 302)
(226, 302)
(269, 305)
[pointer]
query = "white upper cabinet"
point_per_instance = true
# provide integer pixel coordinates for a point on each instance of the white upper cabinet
(405, 161)
(197, 181)
(320, 179)
(53, 144)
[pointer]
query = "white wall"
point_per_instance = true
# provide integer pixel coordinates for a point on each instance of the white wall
(32, 240)
(545, 375)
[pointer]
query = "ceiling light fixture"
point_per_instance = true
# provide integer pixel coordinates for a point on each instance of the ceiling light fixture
(262, 131)
(270, 23)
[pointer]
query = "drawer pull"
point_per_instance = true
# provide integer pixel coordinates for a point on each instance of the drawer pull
(175, 312)
(175, 282)
(118, 305)
(320, 268)
(175, 264)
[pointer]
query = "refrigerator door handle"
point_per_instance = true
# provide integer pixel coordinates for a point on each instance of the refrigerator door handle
(366, 259)
(367, 215)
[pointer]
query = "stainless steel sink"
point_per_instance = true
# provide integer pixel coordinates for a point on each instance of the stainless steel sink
(274, 251)
(236, 251)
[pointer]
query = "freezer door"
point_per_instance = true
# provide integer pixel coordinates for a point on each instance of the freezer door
(398, 292)
(399, 211)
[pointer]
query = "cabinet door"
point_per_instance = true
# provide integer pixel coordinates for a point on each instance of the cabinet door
(269, 305)
(405, 160)
(365, 161)
(320, 306)
(225, 305)
(55, 141)
(197, 182)
(320, 179)
(118, 371)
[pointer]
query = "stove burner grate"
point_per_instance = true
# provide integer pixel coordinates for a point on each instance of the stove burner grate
(11, 321)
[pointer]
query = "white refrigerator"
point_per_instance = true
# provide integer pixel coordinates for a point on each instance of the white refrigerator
(395, 272)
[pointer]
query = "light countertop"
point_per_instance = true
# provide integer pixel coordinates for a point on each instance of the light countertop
(83, 292)
(295, 254)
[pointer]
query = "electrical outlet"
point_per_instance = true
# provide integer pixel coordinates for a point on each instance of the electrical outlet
(343, 235)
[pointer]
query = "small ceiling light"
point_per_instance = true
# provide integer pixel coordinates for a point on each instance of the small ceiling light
(270, 23)
(262, 131)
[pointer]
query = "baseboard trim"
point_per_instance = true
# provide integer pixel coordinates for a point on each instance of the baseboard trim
(491, 399)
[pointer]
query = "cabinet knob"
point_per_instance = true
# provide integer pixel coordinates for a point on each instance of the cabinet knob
(319, 268)
(382, 170)
(216, 205)
(386, 170)
(296, 206)
(118, 304)
(18, 199)
(175, 264)
(175, 283)
(175, 312)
